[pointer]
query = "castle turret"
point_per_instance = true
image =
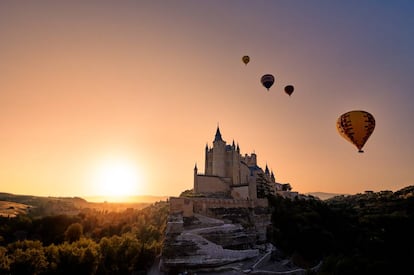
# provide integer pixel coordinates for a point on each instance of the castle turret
(195, 179)
(208, 162)
(219, 150)
(236, 166)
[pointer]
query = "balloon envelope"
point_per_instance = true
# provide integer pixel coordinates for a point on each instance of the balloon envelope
(245, 59)
(356, 127)
(289, 89)
(267, 80)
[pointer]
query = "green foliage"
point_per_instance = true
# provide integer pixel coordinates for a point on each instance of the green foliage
(4, 261)
(73, 232)
(80, 257)
(28, 261)
(189, 193)
(93, 242)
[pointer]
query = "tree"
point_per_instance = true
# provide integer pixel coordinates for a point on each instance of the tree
(73, 232)
(29, 261)
(4, 261)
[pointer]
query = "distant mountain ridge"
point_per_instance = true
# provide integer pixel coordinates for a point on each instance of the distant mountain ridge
(134, 199)
(12, 204)
(407, 191)
(29, 199)
(325, 195)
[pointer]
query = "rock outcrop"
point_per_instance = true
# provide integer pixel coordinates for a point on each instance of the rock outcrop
(204, 243)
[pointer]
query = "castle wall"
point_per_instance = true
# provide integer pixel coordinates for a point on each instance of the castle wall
(209, 162)
(244, 174)
(184, 205)
(252, 188)
(202, 205)
(240, 192)
(250, 160)
(219, 158)
(211, 184)
(189, 206)
(235, 173)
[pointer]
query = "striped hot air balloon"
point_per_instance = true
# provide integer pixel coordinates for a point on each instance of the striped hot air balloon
(267, 81)
(356, 127)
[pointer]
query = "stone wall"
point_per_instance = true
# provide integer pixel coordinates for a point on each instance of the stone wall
(181, 205)
(240, 192)
(212, 184)
(189, 206)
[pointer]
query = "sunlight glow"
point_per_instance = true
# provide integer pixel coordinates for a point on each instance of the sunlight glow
(117, 178)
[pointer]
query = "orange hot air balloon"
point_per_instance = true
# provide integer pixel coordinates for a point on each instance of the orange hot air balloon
(267, 81)
(356, 127)
(289, 89)
(246, 59)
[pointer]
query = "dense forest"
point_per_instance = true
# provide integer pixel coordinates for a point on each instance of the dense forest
(91, 242)
(368, 233)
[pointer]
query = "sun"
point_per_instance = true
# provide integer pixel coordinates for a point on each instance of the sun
(117, 178)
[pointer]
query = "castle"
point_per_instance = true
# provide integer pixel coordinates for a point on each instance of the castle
(230, 180)
(228, 174)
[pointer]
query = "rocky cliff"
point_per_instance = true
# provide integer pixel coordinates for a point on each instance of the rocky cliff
(205, 243)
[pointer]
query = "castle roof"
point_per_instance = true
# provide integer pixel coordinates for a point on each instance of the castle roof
(218, 135)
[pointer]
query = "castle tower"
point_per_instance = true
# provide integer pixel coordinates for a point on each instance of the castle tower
(236, 165)
(195, 179)
(219, 155)
(208, 166)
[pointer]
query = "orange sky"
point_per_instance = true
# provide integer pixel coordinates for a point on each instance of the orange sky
(147, 82)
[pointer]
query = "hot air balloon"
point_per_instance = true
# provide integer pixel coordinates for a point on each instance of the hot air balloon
(356, 127)
(267, 80)
(245, 59)
(289, 89)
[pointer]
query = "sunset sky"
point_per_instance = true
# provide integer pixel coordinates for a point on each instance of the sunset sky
(90, 87)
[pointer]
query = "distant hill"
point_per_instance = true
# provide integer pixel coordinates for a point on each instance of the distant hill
(129, 199)
(38, 200)
(40, 206)
(324, 195)
(12, 204)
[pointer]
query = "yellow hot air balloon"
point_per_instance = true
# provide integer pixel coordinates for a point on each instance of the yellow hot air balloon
(356, 127)
(245, 59)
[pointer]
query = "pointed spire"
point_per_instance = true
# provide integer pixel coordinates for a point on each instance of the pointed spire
(233, 145)
(238, 148)
(267, 170)
(218, 135)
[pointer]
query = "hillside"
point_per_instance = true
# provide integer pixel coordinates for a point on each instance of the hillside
(367, 233)
(12, 209)
(324, 195)
(11, 205)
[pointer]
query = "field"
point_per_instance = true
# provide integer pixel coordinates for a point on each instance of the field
(12, 209)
